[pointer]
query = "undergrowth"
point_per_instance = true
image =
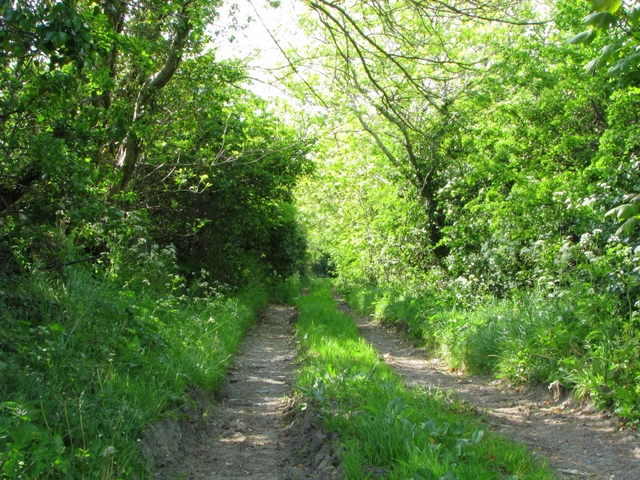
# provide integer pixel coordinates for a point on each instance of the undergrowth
(88, 360)
(386, 429)
(576, 338)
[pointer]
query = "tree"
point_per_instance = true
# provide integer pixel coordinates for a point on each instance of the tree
(399, 66)
(619, 23)
(111, 109)
(617, 27)
(224, 168)
(519, 159)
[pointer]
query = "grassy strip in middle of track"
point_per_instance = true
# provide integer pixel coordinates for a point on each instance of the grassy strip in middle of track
(385, 428)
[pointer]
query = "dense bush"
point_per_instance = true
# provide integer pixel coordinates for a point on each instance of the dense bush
(482, 218)
(576, 338)
(89, 360)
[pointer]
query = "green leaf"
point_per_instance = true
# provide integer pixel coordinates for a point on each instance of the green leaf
(584, 37)
(599, 62)
(623, 66)
(632, 198)
(609, 50)
(477, 435)
(395, 406)
(77, 22)
(634, 16)
(622, 212)
(600, 20)
(318, 391)
(60, 38)
(424, 474)
(449, 476)
(458, 448)
(595, 64)
(12, 16)
(610, 6)
(627, 228)
(634, 59)
(627, 210)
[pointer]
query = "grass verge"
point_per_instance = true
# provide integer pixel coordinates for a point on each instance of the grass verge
(87, 363)
(387, 430)
(579, 338)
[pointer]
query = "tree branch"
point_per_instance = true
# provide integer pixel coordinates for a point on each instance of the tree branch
(130, 148)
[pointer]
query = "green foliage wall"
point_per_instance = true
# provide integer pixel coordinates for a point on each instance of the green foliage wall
(532, 151)
(105, 116)
(141, 186)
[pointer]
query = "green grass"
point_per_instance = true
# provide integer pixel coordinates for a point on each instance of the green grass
(385, 427)
(578, 338)
(86, 363)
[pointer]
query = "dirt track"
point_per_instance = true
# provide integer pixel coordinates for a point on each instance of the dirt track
(254, 432)
(577, 441)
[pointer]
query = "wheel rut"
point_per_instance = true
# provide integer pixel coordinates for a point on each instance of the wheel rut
(576, 440)
(254, 430)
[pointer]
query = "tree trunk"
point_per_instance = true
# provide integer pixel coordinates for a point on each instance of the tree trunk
(129, 151)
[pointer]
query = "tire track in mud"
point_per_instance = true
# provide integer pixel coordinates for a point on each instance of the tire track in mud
(254, 431)
(576, 440)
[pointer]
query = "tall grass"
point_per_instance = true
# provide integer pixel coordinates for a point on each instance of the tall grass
(576, 338)
(386, 429)
(87, 363)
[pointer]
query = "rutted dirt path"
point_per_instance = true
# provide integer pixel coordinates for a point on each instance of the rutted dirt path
(254, 432)
(577, 441)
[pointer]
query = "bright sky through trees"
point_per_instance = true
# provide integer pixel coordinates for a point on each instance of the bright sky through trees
(255, 32)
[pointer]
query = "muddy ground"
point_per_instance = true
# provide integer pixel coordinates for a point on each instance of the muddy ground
(254, 431)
